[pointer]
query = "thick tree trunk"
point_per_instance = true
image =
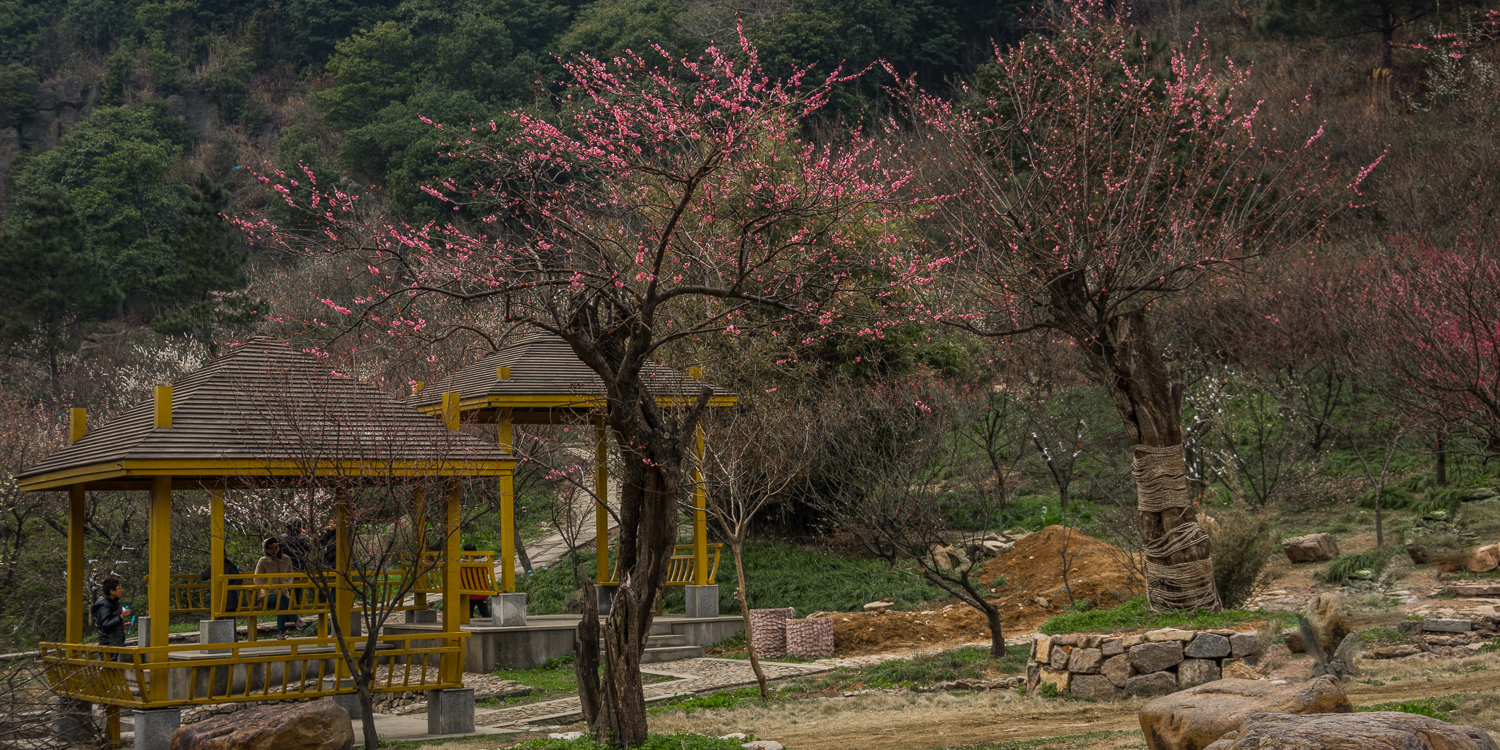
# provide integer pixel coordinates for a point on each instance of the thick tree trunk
(616, 702)
(1179, 570)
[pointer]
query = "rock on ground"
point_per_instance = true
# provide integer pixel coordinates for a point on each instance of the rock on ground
(1378, 730)
(1485, 559)
(1195, 718)
(1310, 548)
(315, 725)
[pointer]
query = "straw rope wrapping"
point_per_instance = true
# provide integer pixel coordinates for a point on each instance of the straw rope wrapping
(1193, 584)
(1176, 540)
(1160, 478)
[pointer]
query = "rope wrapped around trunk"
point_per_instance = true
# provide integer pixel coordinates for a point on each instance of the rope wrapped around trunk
(1192, 582)
(1176, 540)
(1160, 479)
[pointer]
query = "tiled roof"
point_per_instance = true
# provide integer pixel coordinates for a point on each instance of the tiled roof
(545, 365)
(266, 401)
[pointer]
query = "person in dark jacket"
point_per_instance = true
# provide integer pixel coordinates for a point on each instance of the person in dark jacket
(110, 615)
(328, 542)
(232, 601)
(295, 544)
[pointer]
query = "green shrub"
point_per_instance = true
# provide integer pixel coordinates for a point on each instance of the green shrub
(1395, 497)
(969, 662)
(1243, 544)
(1344, 567)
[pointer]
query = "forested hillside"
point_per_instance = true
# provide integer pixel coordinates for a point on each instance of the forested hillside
(130, 130)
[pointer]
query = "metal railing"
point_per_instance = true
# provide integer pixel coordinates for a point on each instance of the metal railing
(682, 565)
(226, 673)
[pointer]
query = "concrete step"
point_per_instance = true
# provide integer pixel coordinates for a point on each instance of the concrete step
(670, 653)
(661, 628)
(660, 641)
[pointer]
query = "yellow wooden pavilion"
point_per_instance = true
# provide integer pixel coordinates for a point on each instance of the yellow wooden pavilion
(263, 415)
(540, 380)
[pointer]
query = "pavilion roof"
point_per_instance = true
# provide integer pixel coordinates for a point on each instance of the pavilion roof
(266, 408)
(545, 373)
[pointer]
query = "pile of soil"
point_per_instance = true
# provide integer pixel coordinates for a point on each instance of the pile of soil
(1032, 592)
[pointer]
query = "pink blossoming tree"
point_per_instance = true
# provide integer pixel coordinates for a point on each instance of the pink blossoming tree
(1091, 179)
(668, 198)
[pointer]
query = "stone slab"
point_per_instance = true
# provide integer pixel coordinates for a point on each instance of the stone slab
(701, 601)
(1446, 626)
(1207, 646)
(508, 610)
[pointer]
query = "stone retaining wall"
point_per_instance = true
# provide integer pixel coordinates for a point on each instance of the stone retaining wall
(1107, 666)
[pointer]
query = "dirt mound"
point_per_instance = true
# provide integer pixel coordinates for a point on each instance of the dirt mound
(1097, 571)
(1032, 591)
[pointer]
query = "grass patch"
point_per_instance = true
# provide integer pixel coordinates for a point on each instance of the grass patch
(1436, 708)
(721, 699)
(781, 575)
(967, 663)
(1345, 567)
(1385, 637)
(683, 741)
(1137, 615)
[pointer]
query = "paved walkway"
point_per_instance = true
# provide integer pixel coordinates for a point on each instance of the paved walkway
(545, 553)
(692, 676)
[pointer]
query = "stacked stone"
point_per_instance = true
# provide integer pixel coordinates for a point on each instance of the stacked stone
(810, 639)
(1101, 666)
(768, 631)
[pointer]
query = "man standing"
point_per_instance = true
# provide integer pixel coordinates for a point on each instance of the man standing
(109, 614)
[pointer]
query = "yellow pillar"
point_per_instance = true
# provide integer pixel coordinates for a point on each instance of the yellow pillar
(700, 515)
(77, 596)
(78, 425)
(419, 534)
(343, 604)
(159, 567)
(601, 491)
(455, 605)
(216, 582)
(507, 435)
(507, 533)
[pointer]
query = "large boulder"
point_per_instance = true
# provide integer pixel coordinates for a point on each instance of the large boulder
(1484, 559)
(1195, 718)
(1310, 548)
(1377, 730)
(314, 725)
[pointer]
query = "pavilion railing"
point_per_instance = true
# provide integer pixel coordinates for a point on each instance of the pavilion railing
(224, 673)
(298, 594)
(681, 566)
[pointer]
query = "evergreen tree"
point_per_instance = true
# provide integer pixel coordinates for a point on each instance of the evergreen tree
(53, 284)
(206, 278)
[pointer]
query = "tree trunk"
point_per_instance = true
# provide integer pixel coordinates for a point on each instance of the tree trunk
(1442, 463)
(737, 548)
(997, 635)
(1179, 570)
(515, 533)
(647, 525)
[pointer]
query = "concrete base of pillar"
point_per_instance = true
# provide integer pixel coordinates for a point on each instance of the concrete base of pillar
(71, 719)
(508, 610)
(450, 711)
(349, 702)
(420, 616)
(143, 631)
(606, 593)
(701, 601)
(216, 631)
(154, 728)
